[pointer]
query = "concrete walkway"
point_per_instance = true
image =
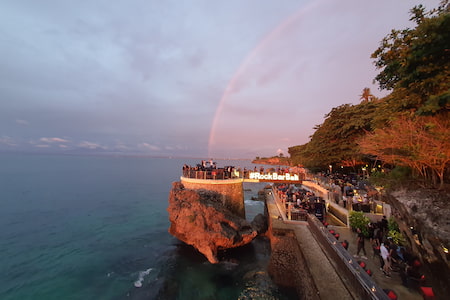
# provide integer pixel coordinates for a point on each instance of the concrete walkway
(325, 277)
(328, 282)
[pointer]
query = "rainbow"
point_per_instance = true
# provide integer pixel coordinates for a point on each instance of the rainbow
(269, 38)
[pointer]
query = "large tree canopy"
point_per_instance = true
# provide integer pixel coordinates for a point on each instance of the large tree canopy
(334, 142)
(421, 143)
(408, 127)
(415, 63)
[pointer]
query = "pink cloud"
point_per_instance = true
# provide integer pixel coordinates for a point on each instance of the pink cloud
(53, 140)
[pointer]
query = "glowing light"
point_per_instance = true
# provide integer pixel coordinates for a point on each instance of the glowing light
(274, 176)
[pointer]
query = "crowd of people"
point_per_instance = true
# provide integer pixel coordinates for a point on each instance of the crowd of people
(392, 257)
(299, 198)
(349, 191)
(209, 170)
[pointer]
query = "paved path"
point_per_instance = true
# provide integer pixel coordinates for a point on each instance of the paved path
(326, 279)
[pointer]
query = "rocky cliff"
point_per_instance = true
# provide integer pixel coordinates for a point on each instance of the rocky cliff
(423, 218)
(199, 218)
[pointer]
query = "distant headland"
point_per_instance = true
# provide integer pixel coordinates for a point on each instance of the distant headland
(274, 160)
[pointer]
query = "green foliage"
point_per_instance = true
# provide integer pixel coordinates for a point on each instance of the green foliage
(398, 176)
(394, 232)
(359, 220)
(400, 173)
(415, 63)
(397, 237)
(392, 225)
(335, 141)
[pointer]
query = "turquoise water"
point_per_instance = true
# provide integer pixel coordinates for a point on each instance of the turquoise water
(84, 227)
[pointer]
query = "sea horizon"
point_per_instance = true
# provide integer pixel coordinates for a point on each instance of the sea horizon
(90, 227)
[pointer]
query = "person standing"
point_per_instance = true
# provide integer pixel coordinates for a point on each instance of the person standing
(385, 256)
(360, 243)
(384, 225)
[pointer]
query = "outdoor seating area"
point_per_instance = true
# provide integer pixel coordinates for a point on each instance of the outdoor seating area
(298, 202)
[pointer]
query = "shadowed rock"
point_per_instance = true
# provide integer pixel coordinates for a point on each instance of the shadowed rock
(199, 218)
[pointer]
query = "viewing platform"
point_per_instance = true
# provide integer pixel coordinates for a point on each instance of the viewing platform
(245, 175)
(228, 181)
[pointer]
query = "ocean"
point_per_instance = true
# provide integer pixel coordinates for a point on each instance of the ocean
(96, 227)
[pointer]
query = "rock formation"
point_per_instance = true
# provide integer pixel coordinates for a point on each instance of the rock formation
(427, 213)
(199, 218)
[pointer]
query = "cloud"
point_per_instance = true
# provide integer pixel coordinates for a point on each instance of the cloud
(22, 122)
(121, 147)
(42, 146)
(6, 140)
(53, 140)
(90, 145)
(146, 146)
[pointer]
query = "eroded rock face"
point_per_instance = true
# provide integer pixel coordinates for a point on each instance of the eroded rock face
(199, 218)
(427, 211)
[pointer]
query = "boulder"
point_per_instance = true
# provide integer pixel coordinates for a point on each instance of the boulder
(260, 224)
(199, 218)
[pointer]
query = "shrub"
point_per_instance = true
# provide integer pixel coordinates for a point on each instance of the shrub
(359, 220)
(397, 237)
(399, 175)
(394, 232)
(392, 225)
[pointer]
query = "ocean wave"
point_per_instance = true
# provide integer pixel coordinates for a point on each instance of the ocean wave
(142, 274)
(253, 202)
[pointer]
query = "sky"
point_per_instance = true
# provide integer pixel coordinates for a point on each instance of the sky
(198, 78)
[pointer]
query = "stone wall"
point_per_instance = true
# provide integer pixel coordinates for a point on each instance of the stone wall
(287, 265)
(231, 191)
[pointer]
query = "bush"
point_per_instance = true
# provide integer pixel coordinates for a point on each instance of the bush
(397, 237)
(394, 232)
(398, 176)
(392, 225)
(359, 220)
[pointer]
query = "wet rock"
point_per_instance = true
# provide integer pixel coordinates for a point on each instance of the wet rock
(199, 218)
(259, 223)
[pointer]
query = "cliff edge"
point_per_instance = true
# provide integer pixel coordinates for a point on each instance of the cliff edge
(199, 218)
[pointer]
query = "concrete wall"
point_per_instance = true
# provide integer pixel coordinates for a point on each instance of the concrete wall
(230, 189)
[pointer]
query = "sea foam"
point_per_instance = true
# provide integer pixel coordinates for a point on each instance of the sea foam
(142, 274)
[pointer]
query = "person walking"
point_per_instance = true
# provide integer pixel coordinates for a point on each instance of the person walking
(385, 256)
(360, 243)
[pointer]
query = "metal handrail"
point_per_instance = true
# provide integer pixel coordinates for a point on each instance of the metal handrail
(214, 174)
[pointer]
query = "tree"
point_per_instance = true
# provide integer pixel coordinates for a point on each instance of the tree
(415, 63)
(334, 141)
(367, 96)
(419, 142)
